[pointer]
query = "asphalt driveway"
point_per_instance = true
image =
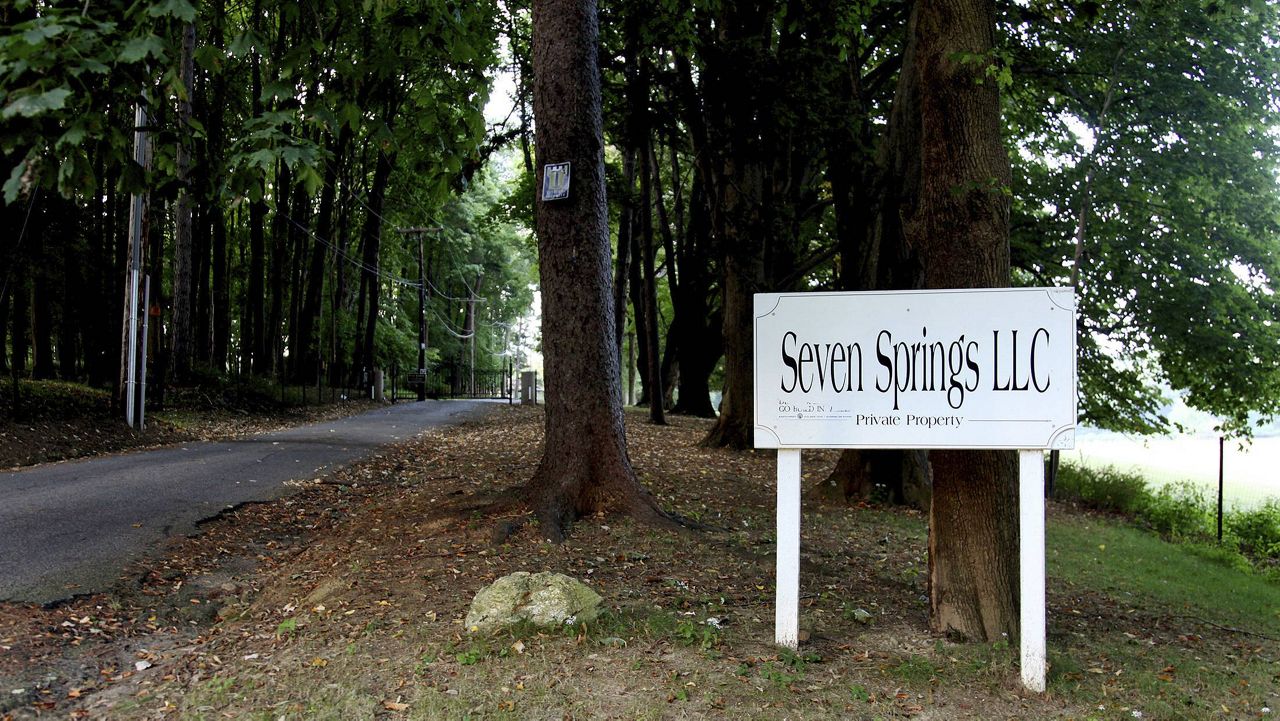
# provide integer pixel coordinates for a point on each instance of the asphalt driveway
(70, 528)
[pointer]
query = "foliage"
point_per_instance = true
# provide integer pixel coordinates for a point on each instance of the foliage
(296, 108)
(1178, 510)
(1256, 530)
(1102, 488)
(1146, 129)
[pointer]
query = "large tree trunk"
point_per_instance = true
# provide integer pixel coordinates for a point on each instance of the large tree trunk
(271, 347)
(254, 336)
(648, 259)
(213, 226)
(183, 331)
(739, 206)
(622, 270)
(42, 367)
(306, 348)
(372, 243)
(945, 133)
(74, 290)
(585, 468)
(695, 326)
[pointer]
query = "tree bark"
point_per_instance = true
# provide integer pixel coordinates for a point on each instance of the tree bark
(42, 367)
(254, 335)
(585, 467)
(945, 132)
(694, 323)
(648, 259)
(268, 353)
(372, 249)
(739, 206)
(183, 252)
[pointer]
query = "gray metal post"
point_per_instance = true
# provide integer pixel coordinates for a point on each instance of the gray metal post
(142, 357)
(136, 210)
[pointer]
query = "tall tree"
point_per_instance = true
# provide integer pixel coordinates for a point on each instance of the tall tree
(950, 196)
(183, 250)
(585, 467)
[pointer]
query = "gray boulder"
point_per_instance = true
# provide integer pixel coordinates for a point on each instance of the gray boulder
(543, 599)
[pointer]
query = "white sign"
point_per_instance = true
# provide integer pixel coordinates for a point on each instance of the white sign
(555, 181)
(982, 368)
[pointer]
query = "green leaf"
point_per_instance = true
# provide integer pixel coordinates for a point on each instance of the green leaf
(93, 65)
(292, 155)
(209, 57)
(40, 33)
(242, 44)
(276, 89)
(180, 9)
(29, 106)
(310, 179)
(138, 48)
(262, 158)
(73, 137)
(14, 184)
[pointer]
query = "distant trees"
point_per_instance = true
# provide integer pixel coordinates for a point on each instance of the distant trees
(289, 141)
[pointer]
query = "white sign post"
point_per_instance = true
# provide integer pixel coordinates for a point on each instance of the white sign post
(980, 369)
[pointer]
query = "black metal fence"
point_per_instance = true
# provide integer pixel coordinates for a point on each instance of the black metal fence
(450, 380)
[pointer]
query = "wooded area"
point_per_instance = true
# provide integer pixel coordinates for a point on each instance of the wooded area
(1126, 148)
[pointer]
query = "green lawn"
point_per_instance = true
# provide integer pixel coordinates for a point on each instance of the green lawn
(1131, 564)
(1161, 649)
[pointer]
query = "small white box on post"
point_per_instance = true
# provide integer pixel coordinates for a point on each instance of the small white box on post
(981, 368)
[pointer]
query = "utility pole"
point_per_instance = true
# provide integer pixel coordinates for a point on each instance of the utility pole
(416, 233)
(131, 354)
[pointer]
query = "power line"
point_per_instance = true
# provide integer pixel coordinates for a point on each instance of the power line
(372, 270)
(22, 235)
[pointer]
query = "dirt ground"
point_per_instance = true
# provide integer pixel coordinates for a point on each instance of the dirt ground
(346, 600)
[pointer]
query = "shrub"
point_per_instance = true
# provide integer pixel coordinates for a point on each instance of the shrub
(1255, 531)
(1179, 510)
(1104, 489)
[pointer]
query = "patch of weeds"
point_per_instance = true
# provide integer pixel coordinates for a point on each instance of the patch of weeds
(1105, 489)
(287, 628)
(779, 676)
(916, 670)
(850, 611)
(992, 661)
(475, 651)
(1178, 510)
(218, 689)
(859, 693)
(1256, 531)
(1063, 668)
(692, 633)
(681, 693)
(798, 661)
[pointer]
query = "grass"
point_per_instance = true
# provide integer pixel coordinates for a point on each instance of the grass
(1139, 569)
(1181, 511)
